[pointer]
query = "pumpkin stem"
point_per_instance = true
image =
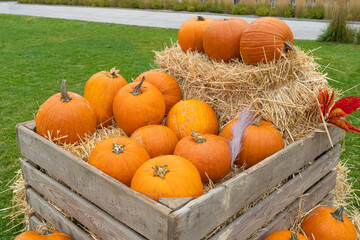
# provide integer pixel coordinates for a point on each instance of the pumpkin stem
(113, 73)
(288, 46)
(117, 148)
(64, 94)
(200, 18)
(339, 214)
(294, 236)
(198, 137)
(45, 232)
(225, 19)
(256, 122)
(160, 171)
(137, 89)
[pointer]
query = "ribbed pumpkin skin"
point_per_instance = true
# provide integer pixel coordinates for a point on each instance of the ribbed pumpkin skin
(190, 116)
(72, 119)
(120, 166)
(167, 85)
(191, 33)
(284, 235)
(264, 34)
(222, 39)
(182, 180)
(258, 142)
(100, 91)
(156, 139)
(211, 157)
(132, 112)
(319, 224)
(34, 235)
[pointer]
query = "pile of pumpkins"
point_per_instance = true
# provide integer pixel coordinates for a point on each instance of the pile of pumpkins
(264, 40)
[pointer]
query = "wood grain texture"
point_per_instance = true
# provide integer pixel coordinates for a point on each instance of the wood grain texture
(246, 187)
(95, 219)
(139, 212)
(314, 196)
(175, 202)
(34, 222)
(54, 217)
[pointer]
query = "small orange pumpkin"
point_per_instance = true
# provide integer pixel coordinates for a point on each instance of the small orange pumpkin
(209, 153)
(137, 105)
(261, 139)
(167, 85)
(326, 223)
(264, 40)
(156, 139)
(190, 116)
(191, 33)
(167, 176)
(285, 235)
(65, 117)
(100, 91)
(222, 39)
(119, 158)
(43, 235)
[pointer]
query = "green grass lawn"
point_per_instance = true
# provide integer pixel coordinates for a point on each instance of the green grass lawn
(37, 53)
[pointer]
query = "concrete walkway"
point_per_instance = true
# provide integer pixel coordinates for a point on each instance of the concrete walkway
(302, 29)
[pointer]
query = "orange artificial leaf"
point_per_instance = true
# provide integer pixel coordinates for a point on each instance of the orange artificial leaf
(343, 125)
(347, 104)
(325, 101)
(337, 113)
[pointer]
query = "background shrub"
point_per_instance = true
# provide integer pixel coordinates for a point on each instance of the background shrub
(289, 12)
(262, 11)
(316, 12)
(240, 9)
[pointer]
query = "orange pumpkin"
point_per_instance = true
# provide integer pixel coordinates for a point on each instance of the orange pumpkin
(100, 91)
(192, 116)
(261, 139)
(191, 33)
(209, 153)
(43, 235)
(167, 85)
(222, 39)
(264, 40)
(326, 223)
(119, 158)
(156, 139)
(167, 176)
(137, 105)
(285, 235)
(65, 117)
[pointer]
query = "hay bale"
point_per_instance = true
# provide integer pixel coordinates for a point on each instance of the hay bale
(284, 93)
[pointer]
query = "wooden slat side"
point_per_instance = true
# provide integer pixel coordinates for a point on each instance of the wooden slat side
(95, 219)
(314, 196)
(277, 201)
(175, 202)
(246, 187)
(54, 217)
(35, 223)
(139, 212)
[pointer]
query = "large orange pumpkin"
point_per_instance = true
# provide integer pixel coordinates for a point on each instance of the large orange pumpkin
(119, 158)
(100, 91)
(167, 176)
(222, 39)
(191, 33)
(138, 104)
(261, 139)
(264, 40)
(167, 85)
(326, 223)
(192, 116)
(65, 117)
(208, 152)
(156, 139)
(43, 235)
(285, 235)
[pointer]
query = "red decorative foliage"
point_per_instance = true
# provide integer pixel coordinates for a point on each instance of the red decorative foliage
(347, 104)
(325, 101)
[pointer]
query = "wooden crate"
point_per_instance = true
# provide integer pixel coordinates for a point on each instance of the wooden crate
(113, 211)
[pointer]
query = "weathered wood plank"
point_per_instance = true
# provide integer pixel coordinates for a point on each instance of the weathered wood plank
(34, 222)
(314, 196)
(139, 212)
(54, 217)
(95, 219)
(246, 187)
(277, 201)
(175, 202)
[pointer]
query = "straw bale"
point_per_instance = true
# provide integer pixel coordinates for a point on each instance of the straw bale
(283, 93)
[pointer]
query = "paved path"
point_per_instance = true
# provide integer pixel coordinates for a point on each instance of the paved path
(302, 29)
